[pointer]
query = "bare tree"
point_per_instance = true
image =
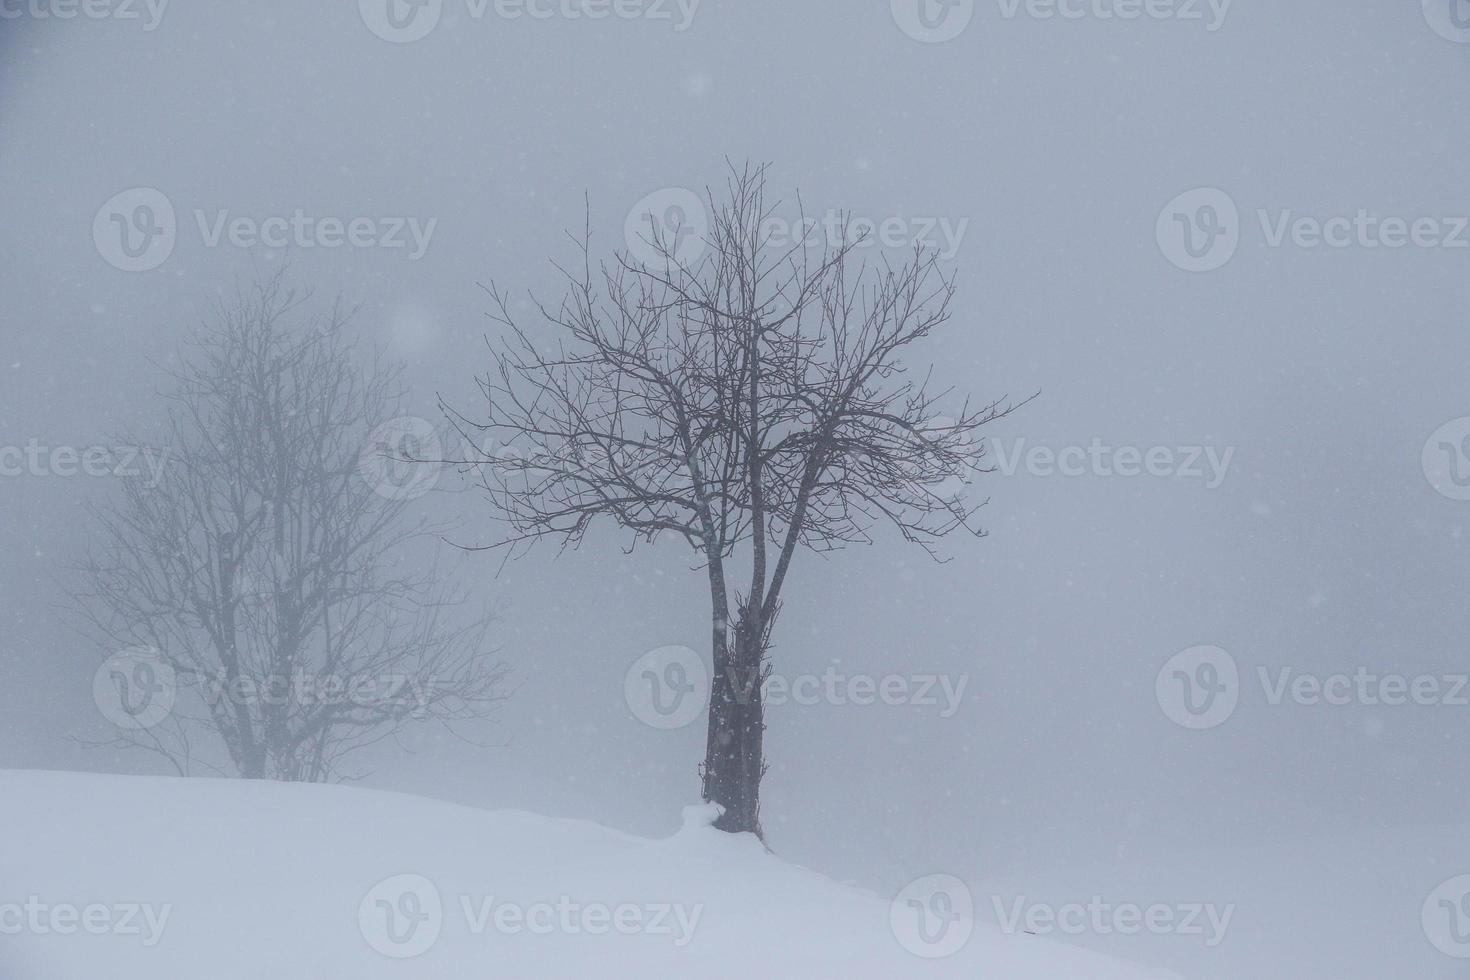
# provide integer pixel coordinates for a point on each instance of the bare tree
(750, 401)
(263, 575)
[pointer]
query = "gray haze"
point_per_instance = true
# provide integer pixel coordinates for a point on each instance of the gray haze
(1324, 549)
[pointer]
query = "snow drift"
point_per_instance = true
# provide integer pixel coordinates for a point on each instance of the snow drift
(140, 879)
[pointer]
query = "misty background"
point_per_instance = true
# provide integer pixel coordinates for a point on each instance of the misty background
(1059, 142)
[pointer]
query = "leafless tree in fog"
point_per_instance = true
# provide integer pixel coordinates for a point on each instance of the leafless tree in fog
(752, 402)
(264, 574)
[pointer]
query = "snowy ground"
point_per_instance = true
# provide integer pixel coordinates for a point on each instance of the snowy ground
(1340, 907)
(150, 879)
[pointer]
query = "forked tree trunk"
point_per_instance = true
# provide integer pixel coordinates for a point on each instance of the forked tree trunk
(734, 761)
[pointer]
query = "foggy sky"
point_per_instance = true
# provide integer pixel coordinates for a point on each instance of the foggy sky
(1324, 369)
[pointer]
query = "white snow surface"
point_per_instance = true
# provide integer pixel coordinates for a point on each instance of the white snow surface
(228, 879)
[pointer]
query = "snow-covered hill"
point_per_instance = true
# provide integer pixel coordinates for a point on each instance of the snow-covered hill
(153, 879)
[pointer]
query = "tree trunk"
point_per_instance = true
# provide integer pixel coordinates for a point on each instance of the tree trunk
(734, 762)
